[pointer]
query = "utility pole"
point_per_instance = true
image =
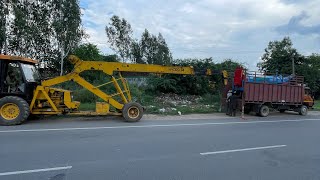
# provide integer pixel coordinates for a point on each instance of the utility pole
(292, 60)
(5, 48)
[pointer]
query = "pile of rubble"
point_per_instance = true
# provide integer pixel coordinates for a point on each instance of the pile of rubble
(173, 103)
(176, 100)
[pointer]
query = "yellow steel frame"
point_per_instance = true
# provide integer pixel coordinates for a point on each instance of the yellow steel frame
(109, 68)
(40, 94)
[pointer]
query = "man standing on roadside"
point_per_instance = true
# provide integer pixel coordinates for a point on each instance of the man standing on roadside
(229, 107)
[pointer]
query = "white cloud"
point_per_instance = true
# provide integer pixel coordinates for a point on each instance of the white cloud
(205, 28)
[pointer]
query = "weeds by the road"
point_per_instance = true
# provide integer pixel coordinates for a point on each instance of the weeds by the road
(317, 105)
(155, 102)
(172, 104)
(87, 107)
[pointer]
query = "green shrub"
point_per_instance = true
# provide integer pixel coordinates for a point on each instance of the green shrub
(87, 107)
(162, 84)
(210, 99)
(84, 96)
(136, 93)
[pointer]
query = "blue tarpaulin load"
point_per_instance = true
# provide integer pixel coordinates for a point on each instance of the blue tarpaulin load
(276, 79)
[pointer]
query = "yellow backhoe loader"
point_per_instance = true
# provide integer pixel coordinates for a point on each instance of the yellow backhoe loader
(23, 93)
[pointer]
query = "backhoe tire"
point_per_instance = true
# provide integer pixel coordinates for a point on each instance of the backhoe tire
(264, 111)
(132, 112)
(303, 110)
(13, 110)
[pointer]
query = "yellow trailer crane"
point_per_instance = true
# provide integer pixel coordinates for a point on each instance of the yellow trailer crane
(23, 94)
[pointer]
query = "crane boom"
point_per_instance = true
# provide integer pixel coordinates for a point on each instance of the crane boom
(110, 68)
(60, 101)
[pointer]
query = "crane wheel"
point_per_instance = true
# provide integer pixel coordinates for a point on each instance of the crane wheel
(13, 110)
(132, 112)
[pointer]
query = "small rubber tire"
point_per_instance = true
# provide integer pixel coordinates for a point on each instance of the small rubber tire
(303, 110)
(23, 107)
(282, 110)
(264, 111)
(132, 112)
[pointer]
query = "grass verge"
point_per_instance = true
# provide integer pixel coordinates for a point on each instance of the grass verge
(87, 107)
(316, 105)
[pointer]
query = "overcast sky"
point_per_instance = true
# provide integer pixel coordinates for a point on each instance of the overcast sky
(237, 29)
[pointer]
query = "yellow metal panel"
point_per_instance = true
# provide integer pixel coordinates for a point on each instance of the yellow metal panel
(40, 90)
(225, 74)
(102, 107)
(67, 100)
(50, 101)
(73, 59)
(225, 77)
(35, 95)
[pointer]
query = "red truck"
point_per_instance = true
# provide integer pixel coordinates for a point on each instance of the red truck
(258, 93)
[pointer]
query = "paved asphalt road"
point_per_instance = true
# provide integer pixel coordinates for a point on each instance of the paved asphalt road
(278, 147)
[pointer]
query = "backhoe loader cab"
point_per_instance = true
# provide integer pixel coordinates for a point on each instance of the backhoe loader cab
(18, 80)
(19, 77)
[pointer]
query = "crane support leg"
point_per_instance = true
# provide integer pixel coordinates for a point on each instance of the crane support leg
(97, 92)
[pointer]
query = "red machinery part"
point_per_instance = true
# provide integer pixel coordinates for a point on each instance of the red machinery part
(238, 77)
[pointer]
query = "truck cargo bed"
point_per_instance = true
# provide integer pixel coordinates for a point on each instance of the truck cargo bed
(273, 93)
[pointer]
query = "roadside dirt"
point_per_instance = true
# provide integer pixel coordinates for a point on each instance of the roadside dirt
(184, 117)
(155, 117)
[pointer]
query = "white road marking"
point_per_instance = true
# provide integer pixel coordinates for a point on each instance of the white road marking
(35, 171)
(153, 126)
(239, 150)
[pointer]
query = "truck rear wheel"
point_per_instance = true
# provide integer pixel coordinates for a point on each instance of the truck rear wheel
(13, 110)
(132, 112)
(303, 110)
(264, 111)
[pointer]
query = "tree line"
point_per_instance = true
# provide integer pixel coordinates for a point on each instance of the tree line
(50, 30)
(150, 49)
(278, 58)
(46, 30)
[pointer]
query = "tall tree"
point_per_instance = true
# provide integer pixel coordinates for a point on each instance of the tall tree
(4, 13)
(278, 57)
(149, 47)
(163, 54)
(40, 29)
(88, 52)
(29, 29)
(67, 21)
(91, 52)
(119, 35)
(310, 69)
(136, 52)
(155, 49)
